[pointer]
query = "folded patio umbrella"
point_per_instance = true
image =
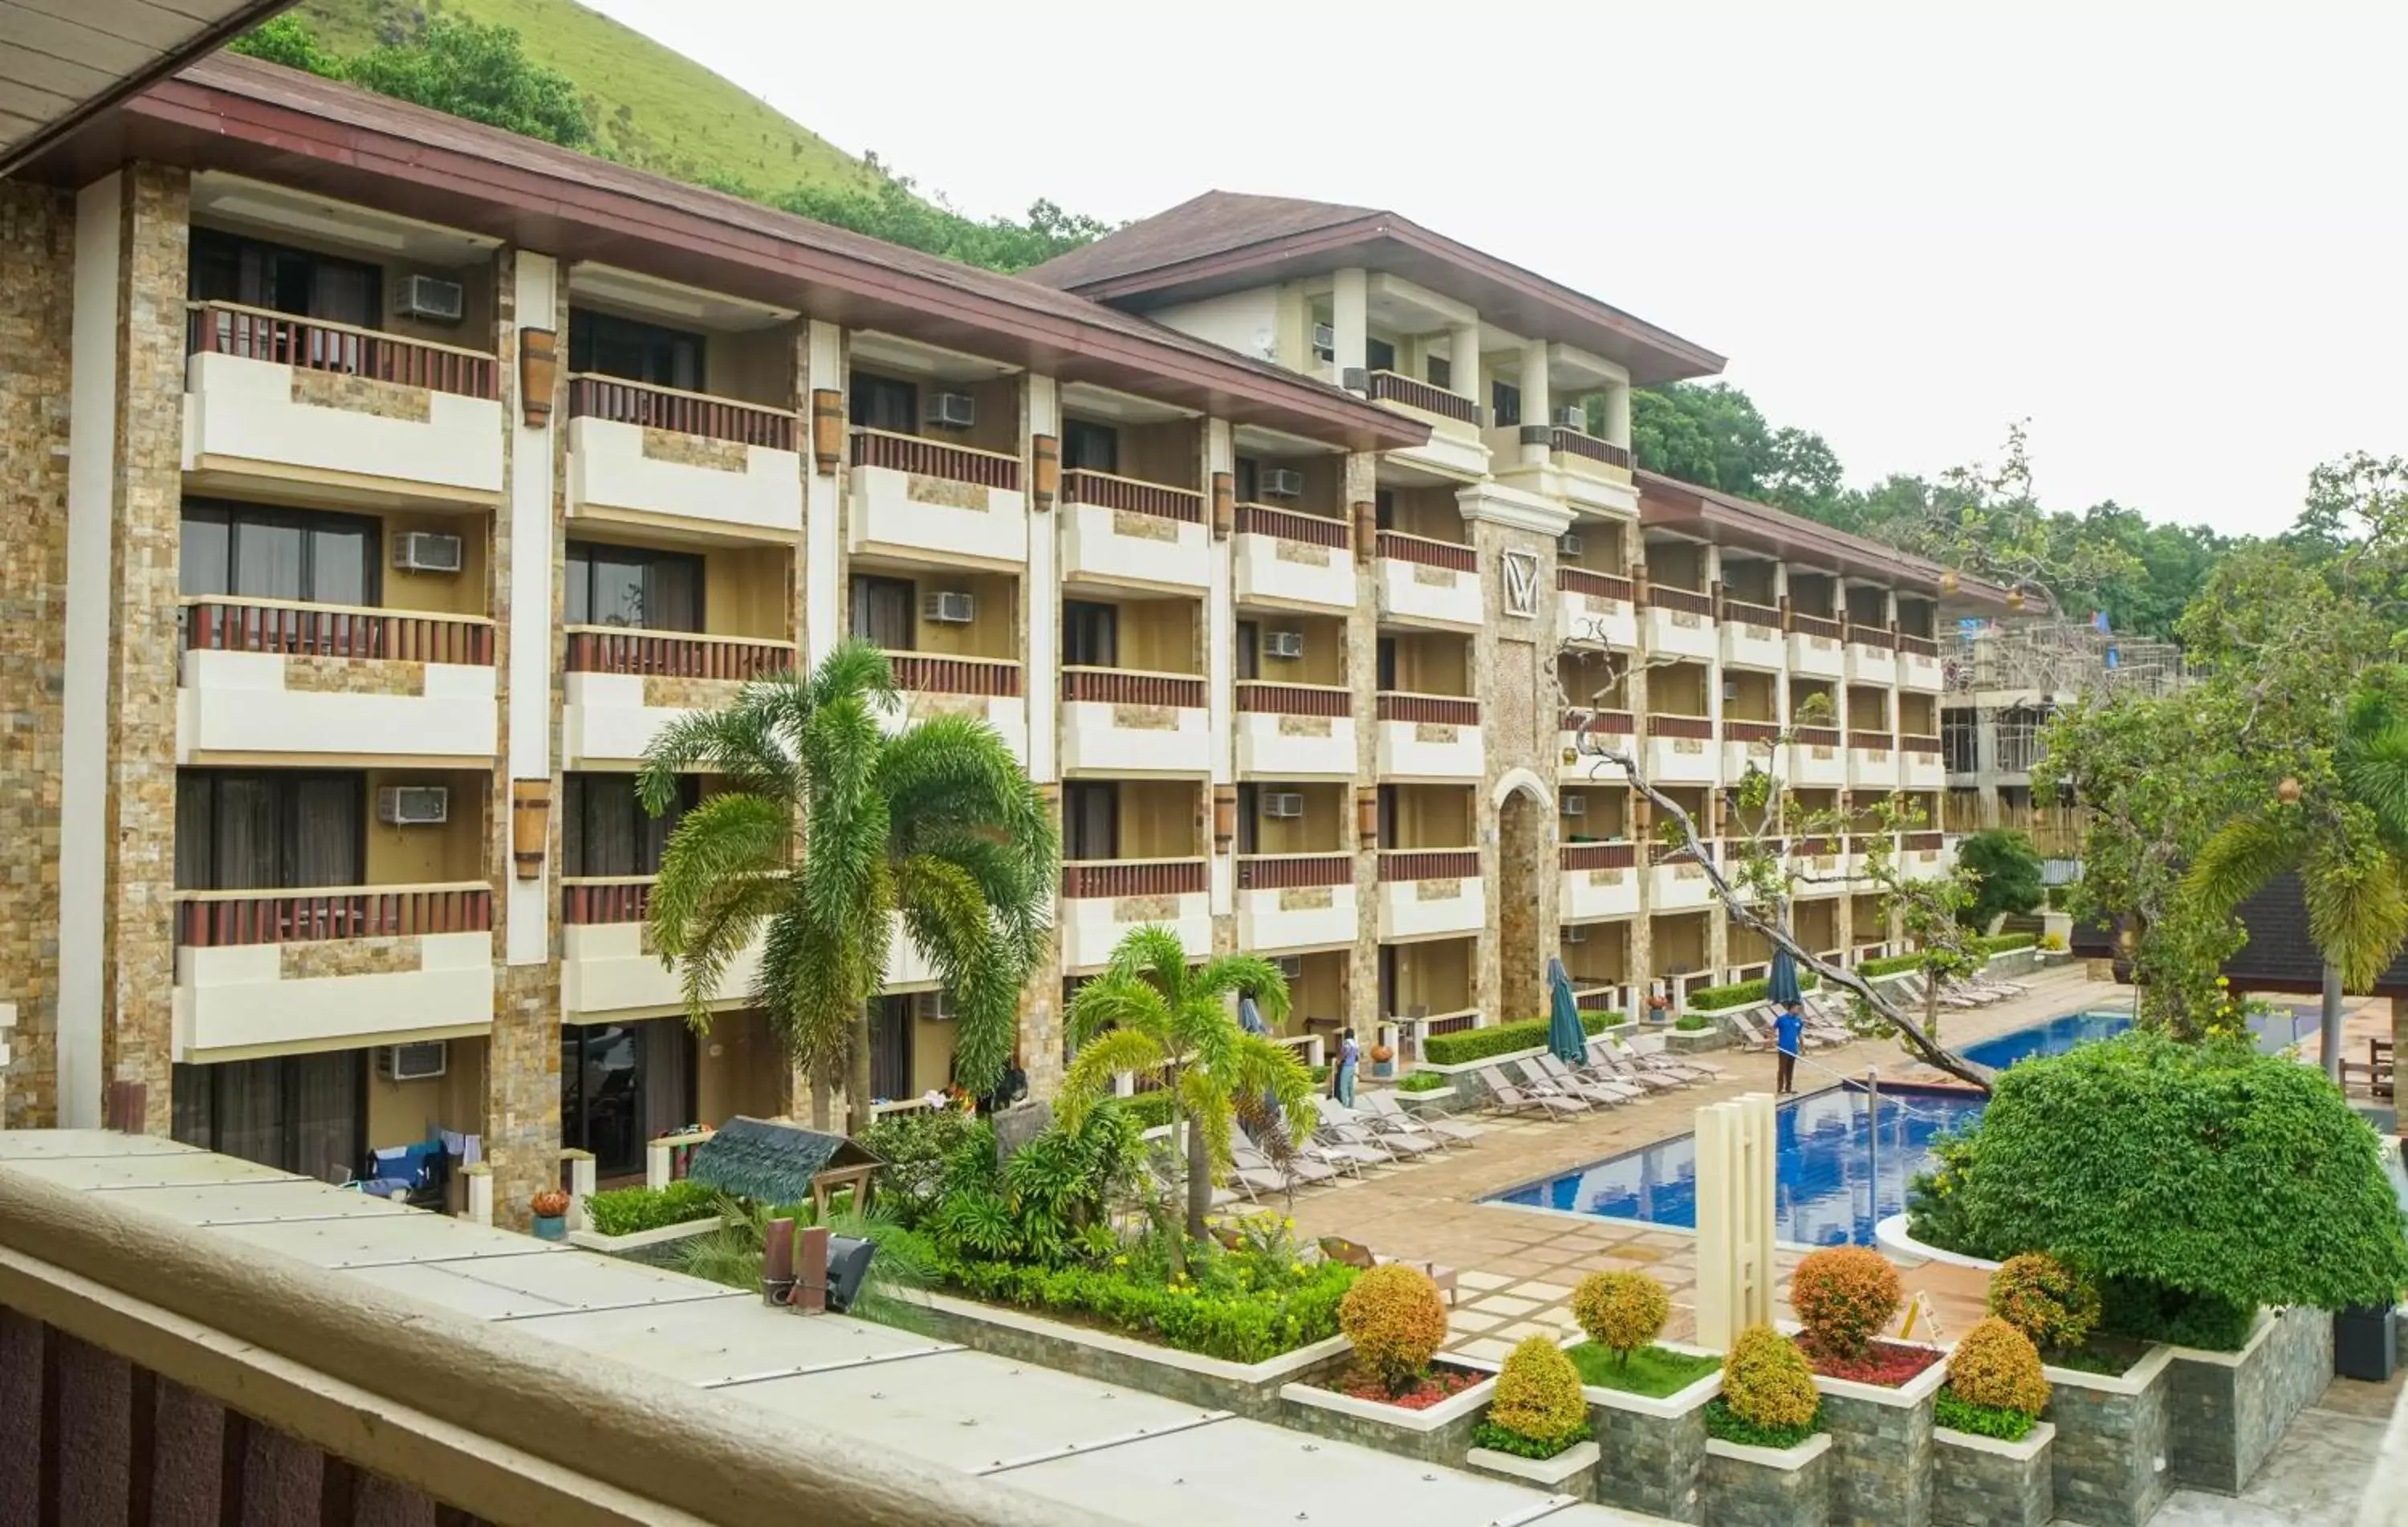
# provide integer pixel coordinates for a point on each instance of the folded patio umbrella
(1782, 986)
(1565, 1035)
(1250, 1018)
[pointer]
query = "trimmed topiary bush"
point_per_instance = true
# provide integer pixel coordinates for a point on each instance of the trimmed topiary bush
(1621, 1312)
(1502, 1039)
(1395, 1320)
(2052, 1305)
(1996, 1365)
(1539, 1398)
(1874, 969)
(1740, 993)
(1768, 1382)
(1843, 1295)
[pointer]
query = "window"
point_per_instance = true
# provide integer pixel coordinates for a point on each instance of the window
(882, 611)
(1438, 371)
(1250, 650)
(1249, 826)
(634, 351)
(268, 830)
(621, 1085)
(1387, 817)
(1379, 355)
(891, 1021)
(299, 1112)
(229, 269)
(1092, 448)
(1505, 403)
(1386, 663)
(253, 552)
(1089, 634)
(1383, 509)
(1091, 813)
(1249, 479)
(634, 585)
(884, 403)
(606, 831)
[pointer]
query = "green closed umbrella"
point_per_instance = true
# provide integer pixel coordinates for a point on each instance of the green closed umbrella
(1565, 1035)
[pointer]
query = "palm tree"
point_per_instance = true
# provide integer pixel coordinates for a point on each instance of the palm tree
(1151, 1012)
(2348, 844)
(939, 824)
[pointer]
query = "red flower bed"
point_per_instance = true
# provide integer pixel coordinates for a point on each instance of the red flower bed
(1443, 1382)
(1886, 1364)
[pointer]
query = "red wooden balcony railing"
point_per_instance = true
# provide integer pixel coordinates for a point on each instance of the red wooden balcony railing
(1291, 525)
(1872, 636)
(1597, 586)
(1661, 854)
(1127, 686)
(1688, 601)
(1430, 863)
(1390, 387)
(1598, 856)
(934, 458)
(218, 919)
(1606, 721)
(224, 328)
(1290, 871)
(215, 625)
(1430, 709)
(1920, 647)
(1751, 732)
(1695, 729)
(1451, 556)
(1295, 698)
(928, 673)
(1921, 842)
(622, 402)
(1095, 878)
(1105, 491)
(1806, 625)
(1574, 443)
(586, 903)
(1879, 741)
(1752, 614)
(1815, 736)
(607, 649)
(1916, 743)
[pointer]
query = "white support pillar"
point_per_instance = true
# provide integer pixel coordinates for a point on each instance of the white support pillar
(1040, 595)
(1537, 398)
(1463, 363)
(535, 305)
(823, 514)
(1350, 318)
(1735, 1267)
(1617, 414)
(479, 1208)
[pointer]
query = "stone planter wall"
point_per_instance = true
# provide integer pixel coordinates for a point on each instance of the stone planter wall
(1768, 1487)
(1983, 1482)
(1571, 1472)
(2108, 1462)
(2225, 1411)
(1880, 1449)
(1655, 1450)
(1697, 1041)
(1440, 1434)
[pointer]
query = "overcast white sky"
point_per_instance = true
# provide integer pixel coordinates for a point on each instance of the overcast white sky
(2174, 236)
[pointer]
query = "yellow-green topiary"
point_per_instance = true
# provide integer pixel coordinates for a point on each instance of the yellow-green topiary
(1539, 1394)
(1843, 1295)
(1621, 1312)
(1996, 1365)
(2045, 1300)
(1397, 1321)
(1767, 1381)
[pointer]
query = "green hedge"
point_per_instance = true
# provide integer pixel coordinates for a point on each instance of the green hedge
(1715, 999)
(2000, 944)
(1895, 963)
(1425, 1080)
(1505, 1038)
(1247, 1326)
(1151, 1110)
(624, 1211)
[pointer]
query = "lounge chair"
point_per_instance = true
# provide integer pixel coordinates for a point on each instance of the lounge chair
(1504, 1097)
(1549, 1075)
(1628, 1088)
(1610, 1069)
(1814, 1035)
(1355, 1254)
(1300, 1171)
(1384, 1111)
(1750, 1036)
(1345, 1155)
(1343, 1124)
(1612, 1050)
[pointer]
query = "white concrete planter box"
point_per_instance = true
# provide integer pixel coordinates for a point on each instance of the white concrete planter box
(606, 968)
(247, 703)
(1123, 547)
(957, 522)
(1093, 925)
(1816, 656)
(1294, 747)
(1411, 909)
(746, 490)
(1416, 591)
(1299, 917)
(1571, 1472)
(1102, 737)
(1680, 633)
(251, 418)
(1440, 1434)
(1273, 569)
(1422, 750)
(253, 996)
(641, 1240)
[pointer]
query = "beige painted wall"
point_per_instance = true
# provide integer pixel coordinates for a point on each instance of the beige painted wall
(420, 856)
(993, 632)
(399, 1113)
(461, 593)
(1430, 513)
(1601, 958)
(1432, 816)
(1433, 663)
(1320, 830)
(752, 365)
(1677, 564)
(1320, 992)
(1679, 942)
(1868, 708)
(1748, 578)
(1324, 647)
(1437, 974)
(1678, 689)
(1161, 819)
(1801, 690)
(1753, 697)
(1867, 605)
(1160, 635)
(1608, 816)
(748, 591)
(1324, 484)
(739, 1068)
(1811, 593)
(1816, 922)
(1168, 452)
(1919, 715)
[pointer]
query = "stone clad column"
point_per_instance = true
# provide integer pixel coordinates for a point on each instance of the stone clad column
(1040, 674)
(1363, 1008)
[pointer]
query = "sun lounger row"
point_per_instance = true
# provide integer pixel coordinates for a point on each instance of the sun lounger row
(1344, 1142)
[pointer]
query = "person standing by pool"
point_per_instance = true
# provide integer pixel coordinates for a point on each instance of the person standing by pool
(1788, 1032)
(1341, 1077)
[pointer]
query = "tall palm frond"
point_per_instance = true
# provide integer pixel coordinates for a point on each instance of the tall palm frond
(2244, 853)
(2357, 907)
(1098, 1063)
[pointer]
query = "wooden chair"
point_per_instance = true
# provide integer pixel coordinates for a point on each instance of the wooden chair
(1355, 1254)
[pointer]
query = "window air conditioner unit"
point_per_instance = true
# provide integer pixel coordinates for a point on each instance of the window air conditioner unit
(935, 1006)
(1573, 805)
(952, 410)
(1325, 341)
(426, 551)
(1291, 966)
(1730, 689)
(419, 1062)
(1575, 934)
(430, 297)
(1573, 418)
(1283, 804)
(414, 805)
(1569, 544)
(949, 608)
(1283, 643)
(1281, 483)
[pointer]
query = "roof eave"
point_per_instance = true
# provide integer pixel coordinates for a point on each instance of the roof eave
(1670, 504)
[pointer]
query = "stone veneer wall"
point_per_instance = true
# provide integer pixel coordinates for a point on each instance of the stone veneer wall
(2107, 1465)
(37, 312)
(1742, 1491)
(1977, 1482)
(1880, 1458)
(1651, 1463)
(1362, 486)
(2224, 1417)
(1513, 670)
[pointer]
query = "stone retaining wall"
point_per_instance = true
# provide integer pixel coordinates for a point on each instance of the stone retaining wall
(1762, 1487)
(1880, 1449)
(2108, 1463)
(2225, 1411)
(1655, 1451)
(1984, 1482)
(1440, 1434)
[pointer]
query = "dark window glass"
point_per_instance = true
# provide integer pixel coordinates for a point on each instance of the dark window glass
(1378, 354)
(605, 830)
(1249, 479)
(632, 585)
(226, 267)
(621, 1085)
(1438, 372)
(1089, 634)
(1250, 650)
(268, 830)
(1094, 448)
(251, 551)
(1388, 663)
(883, 610)
(1387, 817)
(885, 403)
(1383, 509)
(891, 1022)
(635, 350)
(1505, 403)
(1249, 827)
(300, 1113)
(1091, 813)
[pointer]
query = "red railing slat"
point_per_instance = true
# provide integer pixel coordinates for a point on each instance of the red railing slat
(1105, 491)
(398, 636)
(1430, 863)
(1432, 710)
(1288, 871)
(1391, 387)
(1294, 698)
(1429, 553)
(622, 402)
(1291, 525)
(1159, 878)
(647, 653)
(1119, 687)
(320, 347)
(316, 916)
(934, 458)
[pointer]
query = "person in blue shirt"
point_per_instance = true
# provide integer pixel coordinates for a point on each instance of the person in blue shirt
(1788, 1031)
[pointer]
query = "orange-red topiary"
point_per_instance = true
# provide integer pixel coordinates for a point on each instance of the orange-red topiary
(1843, 1295)
(1767, 1381)
(2045, 1300)
(1621, 1312)
(1397, 1321)
(549, 1205)
(1996, 1365)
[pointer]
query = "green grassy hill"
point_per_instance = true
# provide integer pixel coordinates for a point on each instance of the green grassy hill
(655, 108)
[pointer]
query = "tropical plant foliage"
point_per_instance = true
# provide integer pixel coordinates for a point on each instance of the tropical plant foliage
(2004, 869)
(452, 65)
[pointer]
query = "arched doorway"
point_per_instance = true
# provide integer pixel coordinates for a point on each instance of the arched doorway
(1526, 825)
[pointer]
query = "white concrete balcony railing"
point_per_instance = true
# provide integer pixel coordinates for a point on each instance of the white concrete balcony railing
(1120, 721)
(714, 463)
(1595, 608)
(1593, 472)
(624, 685)
(1290, 732)
(1756, 743)
(1435, 582)
(1682, 750)
(1424, 892)
(1872, 761)
(1918, 665)
(1456, 446)
(1429, 737)
(270, 395)
(1752, 636)
(1814, 648)
(1120, 530)
(333, 967)
(1821, 865)
(1872, 657)
(1925, 855)
(607, 963)
(1675, 880)
(1283, 557)
(1610, 729)
(984, 688)
(1598, 879)
(1679, 623)
(272, 676)
(1103, 898)
(1920, 766)
(1288, 902)
(1814, 760)
(928, 498)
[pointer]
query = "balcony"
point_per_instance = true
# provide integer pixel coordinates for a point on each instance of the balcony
(1823, 865)
(1424, 892)
(1120, 721)
(624, 685)
(1295, 731)
(1872, 761)
(711, 463)
(930, 500)
(1611, 728)
(1675, 880)
(1288, 902)
(1753, 742)
(1680, 750)
(1679, 623)
(268, 396)
(1920, 765)
(266, 676)
(1872, 655)
(1816, 759)
(1282, 558)
(1103, 898)
(1925, 855)
(1433, 581)
(607, 961)
(1595, 608)
(1598, 879)
(983, 689)
(1814, 648)
(1121, 531)
(1918, 664)
(1429, 737)
(1454, 446)
(1594, 473)
(1752, 636)
(337, 967)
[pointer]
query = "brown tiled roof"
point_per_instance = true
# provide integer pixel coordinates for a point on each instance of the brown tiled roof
(1210, 223)
(1675, 505)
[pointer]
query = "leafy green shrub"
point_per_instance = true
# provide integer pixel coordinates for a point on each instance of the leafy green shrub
(1843, 1295)
(1222, 1311)
(1996, 1365)
(452, 64)
(2004, 944)
(1503, 1039)
(915, 1147)
(2053, 943)
(2153, 1312)
(1768, 1382)
(1960, 1414)
(2045, 1300)
(1539, 1398)
(1151, 1110)
(1426, 1081)
(624, 1211)
(1397, 1321)
(2005, 869)
(1872, 970)
(1726, 1424)
(1050, 1204)
(1689, 1023)
(1715, 998)
(1621, 1311)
